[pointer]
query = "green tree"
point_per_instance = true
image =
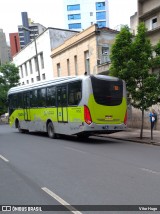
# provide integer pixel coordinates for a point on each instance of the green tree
(156, 58)
(121, 53)
(9, 77)
(142, 86)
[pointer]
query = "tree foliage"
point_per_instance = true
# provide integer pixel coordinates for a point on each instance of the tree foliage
(9, 77)
(121, 53)
(156, 59)
(132, 61)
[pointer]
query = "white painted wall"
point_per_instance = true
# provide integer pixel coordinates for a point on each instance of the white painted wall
(45, 42)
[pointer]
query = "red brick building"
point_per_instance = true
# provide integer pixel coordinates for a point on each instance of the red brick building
(14, 43)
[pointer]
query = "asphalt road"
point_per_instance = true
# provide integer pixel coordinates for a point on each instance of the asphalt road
(36, 170)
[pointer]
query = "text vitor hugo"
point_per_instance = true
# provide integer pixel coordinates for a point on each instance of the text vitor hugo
(149, 208)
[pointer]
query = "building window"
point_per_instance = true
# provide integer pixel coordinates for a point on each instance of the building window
(58, 70)
(76, 65)
(42, 60)
(74, 16)
(35, 62)
(74, 26)
(73, 7)
(91, 13)
(105, 55)
(43, 76)
(105, 50)
(100, 15)
(68, 67)
(100, 6)
(154, 22)
(87, 62)
(101, 24)
(21, 69)
(30, 67)
(37, 78)
(32, 80)
(25, 65)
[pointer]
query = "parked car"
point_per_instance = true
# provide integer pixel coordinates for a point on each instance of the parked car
(4, 118)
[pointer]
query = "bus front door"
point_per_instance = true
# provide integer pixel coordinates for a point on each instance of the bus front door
(26, 100)
(62, 113)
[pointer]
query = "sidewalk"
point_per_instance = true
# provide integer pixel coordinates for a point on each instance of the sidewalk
(134, 135)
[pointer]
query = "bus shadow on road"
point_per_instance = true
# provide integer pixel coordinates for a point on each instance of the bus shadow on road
(93, 140)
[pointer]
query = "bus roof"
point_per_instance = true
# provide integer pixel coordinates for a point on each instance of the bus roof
(56, 81)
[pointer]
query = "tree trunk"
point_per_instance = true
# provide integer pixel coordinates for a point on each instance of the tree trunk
(141, 134)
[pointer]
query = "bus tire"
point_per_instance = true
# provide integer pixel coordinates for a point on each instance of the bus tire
(50, 130)
(19, 128)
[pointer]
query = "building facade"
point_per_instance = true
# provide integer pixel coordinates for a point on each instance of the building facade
(148, 11)
(4, 49)
(14, 43)
(87, 52)
(34, 30)
(26, 59)
(80, 14)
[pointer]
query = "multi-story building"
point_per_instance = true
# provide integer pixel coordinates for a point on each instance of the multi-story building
(34, 30)
(14, 43)
(148, 11)
(80, 14)
(87, 52)
(4, 49)
(31, 70)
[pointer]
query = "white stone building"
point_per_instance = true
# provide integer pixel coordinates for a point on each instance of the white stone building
(26, 59)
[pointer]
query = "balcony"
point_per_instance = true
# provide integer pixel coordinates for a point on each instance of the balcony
(149, 13)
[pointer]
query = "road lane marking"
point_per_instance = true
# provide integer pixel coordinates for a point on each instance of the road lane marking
(3, 158)
(60, 200)
(150, 171)
(76, 150)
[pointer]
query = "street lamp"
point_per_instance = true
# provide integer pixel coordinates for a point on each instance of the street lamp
(27, 29)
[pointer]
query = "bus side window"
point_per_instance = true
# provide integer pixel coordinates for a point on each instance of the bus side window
(74, 93)
(51, 96)
(13, 101)
(20, 100)
(41, 95)
(33, 98)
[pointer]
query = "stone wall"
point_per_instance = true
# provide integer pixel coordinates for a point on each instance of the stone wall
(135, 118)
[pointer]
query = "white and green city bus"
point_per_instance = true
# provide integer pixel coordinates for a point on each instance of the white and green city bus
(79, 105)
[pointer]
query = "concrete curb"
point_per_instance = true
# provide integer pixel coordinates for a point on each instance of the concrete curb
(132, 140)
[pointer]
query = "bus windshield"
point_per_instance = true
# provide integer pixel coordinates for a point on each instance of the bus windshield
(107, 92)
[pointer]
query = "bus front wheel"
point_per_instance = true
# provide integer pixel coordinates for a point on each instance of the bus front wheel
(19, 128)
(50, 130)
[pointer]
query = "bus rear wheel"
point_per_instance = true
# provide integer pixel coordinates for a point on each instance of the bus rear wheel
(50, 130)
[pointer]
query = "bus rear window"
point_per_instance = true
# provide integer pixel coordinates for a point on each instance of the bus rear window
(107, 92)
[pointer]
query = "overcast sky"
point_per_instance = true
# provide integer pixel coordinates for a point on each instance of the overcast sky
(46, 12)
